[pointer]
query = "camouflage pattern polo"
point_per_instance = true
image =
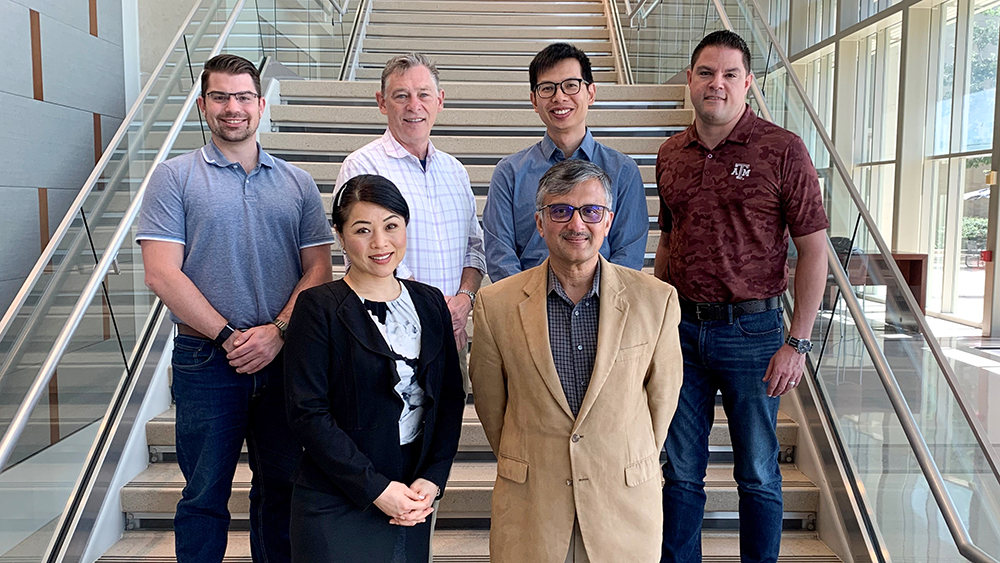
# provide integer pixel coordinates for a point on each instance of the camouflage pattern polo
(730, 210)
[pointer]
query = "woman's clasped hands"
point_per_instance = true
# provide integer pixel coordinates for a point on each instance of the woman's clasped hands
(408, 506)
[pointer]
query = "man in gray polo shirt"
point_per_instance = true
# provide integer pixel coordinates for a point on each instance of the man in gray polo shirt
(230, 235)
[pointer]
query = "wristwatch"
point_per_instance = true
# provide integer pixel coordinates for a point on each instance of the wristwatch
(801, 345)
(282, 327)
(471, 294)
(224, 335)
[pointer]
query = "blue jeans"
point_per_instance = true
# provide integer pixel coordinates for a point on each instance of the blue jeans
(731, 357)
(217, 409)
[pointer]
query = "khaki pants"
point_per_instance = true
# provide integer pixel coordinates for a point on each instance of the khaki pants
(577, 552)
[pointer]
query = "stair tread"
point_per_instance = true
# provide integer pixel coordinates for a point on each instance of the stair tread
(457, 91)
(464, 474)
(461, 546)
(325, 143)
(479, 175)
(160, 430)
(477, 117)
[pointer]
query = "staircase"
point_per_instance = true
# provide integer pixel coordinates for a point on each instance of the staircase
(316, 125)
(483, 41)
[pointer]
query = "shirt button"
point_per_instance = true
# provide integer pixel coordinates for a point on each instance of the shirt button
(709, 156)
(575, 438)
(577, 313)
(579, 346)
(569, 482)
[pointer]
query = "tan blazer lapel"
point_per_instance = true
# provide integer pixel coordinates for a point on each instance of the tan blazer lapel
(614, 313)
(536, 330)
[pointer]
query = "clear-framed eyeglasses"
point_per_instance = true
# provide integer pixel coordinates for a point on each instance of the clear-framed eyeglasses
(570, 87)
(563, 213)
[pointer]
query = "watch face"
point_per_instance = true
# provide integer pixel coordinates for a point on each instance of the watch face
(804, 346)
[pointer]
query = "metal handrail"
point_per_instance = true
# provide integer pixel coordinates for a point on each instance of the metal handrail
(935, 481)
(618, 43)
(49, 293)
(643, 14)
(354, 43)
(921, 450)
(20, 420)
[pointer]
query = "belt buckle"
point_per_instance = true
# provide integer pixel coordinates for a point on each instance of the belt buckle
(706, 308)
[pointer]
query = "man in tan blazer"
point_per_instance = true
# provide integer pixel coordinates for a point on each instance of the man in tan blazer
(576, 370)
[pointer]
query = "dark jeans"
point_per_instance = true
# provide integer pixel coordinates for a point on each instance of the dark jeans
(217, 409)
(731, 357)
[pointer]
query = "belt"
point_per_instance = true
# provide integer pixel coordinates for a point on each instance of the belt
(727, 311)
(188, 331)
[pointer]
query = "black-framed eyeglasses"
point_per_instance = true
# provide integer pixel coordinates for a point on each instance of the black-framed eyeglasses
(570, 87)
(244, 98)
(563, 213)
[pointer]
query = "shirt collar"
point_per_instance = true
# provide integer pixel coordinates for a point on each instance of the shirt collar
(396, 149)
(740, 134)
(555, 286)
(214, 156)
(584, 152)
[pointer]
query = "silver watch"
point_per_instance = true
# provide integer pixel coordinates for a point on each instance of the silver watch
(471, 294)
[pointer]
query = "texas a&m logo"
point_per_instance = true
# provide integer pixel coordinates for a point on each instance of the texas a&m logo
(741, 171)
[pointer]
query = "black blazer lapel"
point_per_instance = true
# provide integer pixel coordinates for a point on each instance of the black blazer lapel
(354, 316)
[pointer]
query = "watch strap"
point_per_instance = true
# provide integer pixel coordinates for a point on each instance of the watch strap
(224, 335)
(282, 327)
(471, 294)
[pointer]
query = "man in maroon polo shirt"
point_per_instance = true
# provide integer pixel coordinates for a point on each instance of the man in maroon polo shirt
(733, 188)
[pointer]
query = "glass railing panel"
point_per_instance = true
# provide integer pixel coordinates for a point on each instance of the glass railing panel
(50, 454)
(307, 36)
(33, 330)
(660, 45)
(882, 456)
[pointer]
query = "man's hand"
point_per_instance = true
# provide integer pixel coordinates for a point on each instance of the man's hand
(785, 371)
(255, 348)
(459, 306)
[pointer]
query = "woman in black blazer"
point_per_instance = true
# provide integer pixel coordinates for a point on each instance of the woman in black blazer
(374, 393)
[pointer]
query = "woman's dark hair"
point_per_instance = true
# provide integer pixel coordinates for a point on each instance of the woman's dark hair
(370, 188)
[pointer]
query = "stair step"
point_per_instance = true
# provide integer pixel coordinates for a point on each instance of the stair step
(160, 430)
(508, 62)
(336, 89)
(469, 31)
(509, 6)
(471, 118)
(479, 175)
(521, 20)
(462, 546)
(282, 144)
(464, 75)
(153, 495)
(473, 47)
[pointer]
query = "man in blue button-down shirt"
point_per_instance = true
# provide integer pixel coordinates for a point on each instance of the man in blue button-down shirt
(562, 89)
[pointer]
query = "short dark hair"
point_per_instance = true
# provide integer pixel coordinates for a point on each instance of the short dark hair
(727, 40)
(555, 54)
(370, 188)
(229, 64)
